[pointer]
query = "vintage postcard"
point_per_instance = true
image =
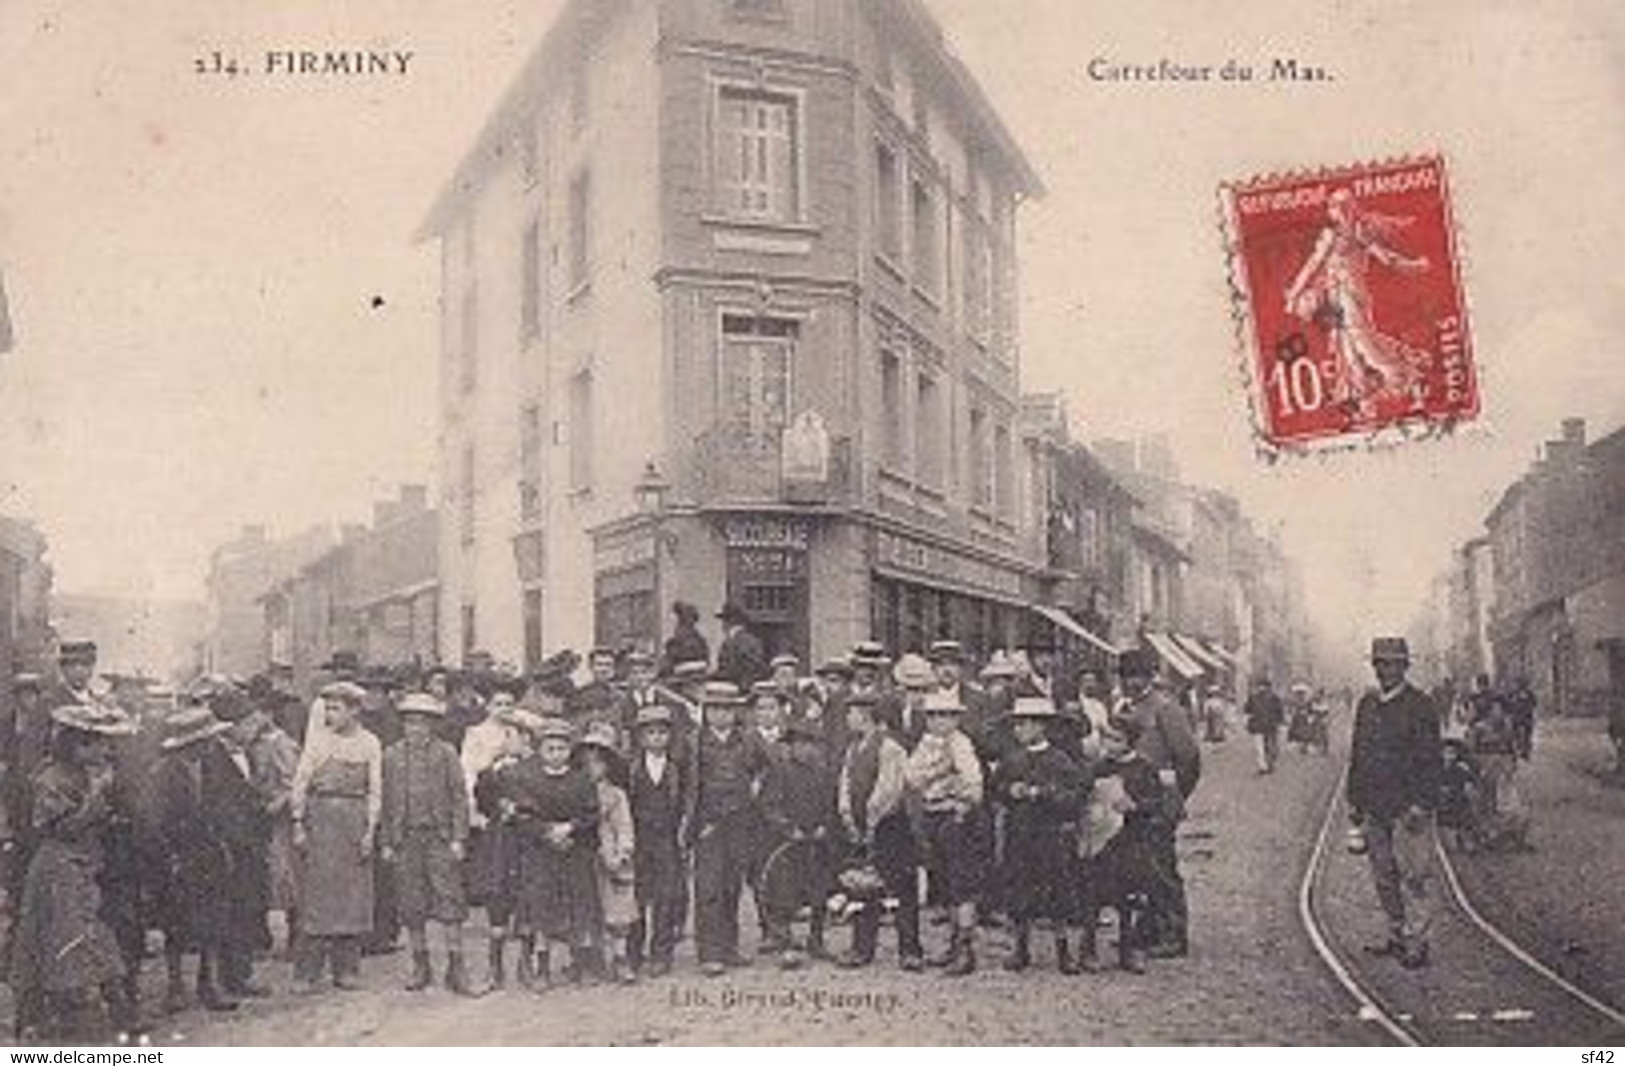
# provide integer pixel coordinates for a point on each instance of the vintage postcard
(804, 522)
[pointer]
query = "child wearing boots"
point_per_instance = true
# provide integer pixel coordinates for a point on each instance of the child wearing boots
(494, 860)
(658, 786)
(870, 793)
(616, 837)
(1041, 789)
(798, 806)
(945, 777)
(424, 833)
(553, 809)
(1116, 842)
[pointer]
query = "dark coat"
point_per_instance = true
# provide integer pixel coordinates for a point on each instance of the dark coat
(1397, 757)
(685, 645)
(437, 798)
(1264, 711)
(657, 822)
(217, 836)
(557, 887)
(1040, 832)
(741, 659)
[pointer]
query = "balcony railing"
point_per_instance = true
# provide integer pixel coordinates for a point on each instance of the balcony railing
(732, 468)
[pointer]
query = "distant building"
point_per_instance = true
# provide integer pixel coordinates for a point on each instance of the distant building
(374, 594)
(1557, 538)
(25, 603)
(729, 299)
(162, 640)
(240, 573)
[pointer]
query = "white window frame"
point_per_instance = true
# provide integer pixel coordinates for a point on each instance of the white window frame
(728, 206)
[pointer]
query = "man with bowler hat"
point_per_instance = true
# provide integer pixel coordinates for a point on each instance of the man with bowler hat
(741, 659)
(1393, 788)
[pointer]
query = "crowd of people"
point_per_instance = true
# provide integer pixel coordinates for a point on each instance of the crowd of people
(597, 824)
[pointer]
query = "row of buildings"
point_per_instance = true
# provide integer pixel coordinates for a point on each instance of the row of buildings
(729, 313)
(1540, 592)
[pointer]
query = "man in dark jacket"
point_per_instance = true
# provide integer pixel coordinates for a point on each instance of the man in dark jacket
(1264, 717)
(741, 659)
(1393, 787)
(686, 643)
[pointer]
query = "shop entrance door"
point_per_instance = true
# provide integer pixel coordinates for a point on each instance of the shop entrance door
(771, 584)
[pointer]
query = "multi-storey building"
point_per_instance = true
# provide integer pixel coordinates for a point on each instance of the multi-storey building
(729, 312)
(240, 573)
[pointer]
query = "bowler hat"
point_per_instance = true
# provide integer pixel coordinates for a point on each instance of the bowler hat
(639, 657)
(99, 718)
(190, 726)
(869, 653)
(765, 688)
(685, 610)
(1135, 662)
(733, 612)
(76, 651)
(1390, 649)
(421, 703)
(837, 667)
(27, 679)
(342, 662)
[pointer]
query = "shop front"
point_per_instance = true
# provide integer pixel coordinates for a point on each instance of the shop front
(765, 571)
(920, 592)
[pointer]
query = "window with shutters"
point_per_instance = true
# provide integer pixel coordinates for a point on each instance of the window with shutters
(758, 155)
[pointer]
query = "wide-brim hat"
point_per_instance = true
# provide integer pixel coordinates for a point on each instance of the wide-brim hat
(98, 718)
(837, 667)
(191, 726)
(765, 688)
(600, 735)
(947, 651)
(1000, 666)
(27, 679)
(654, 714)
(72, 651)
(912, 671)
(1136, 662)
(553, 729)
(785, 658)
(344, 690)
(639, 657)
(869, 653)
(1033, 707)
(691, 670)
(1390, 649)
(721, 694)
(942, 703)
(421, 703)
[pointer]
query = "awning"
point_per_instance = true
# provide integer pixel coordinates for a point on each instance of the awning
(1224, 654)
(1182, 664)
(1193, 647)
(1065, 621)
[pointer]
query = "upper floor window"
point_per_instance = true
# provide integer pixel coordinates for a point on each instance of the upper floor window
(888, 215)
(580, 229)
(530, 282)
(978, 284)
(928, 435)
(758, 154)
(581, 435)
(530, 162)
(927, 238)
(1004, 482)
(756, 352)
(580, 94)
(530, 462)
(758, 10)
(466, 494)
(891, 409)
(981, 466)
(468, 356)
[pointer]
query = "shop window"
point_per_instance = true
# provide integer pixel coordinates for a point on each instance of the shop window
(758, 155)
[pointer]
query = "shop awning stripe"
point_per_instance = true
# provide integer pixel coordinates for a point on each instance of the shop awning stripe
(1182, 663)
(1065, 621)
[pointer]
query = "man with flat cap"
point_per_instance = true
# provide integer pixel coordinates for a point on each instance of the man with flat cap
(1393, 790)
(1160, 731)
(741, 659)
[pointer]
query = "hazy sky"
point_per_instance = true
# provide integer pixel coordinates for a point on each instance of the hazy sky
(191, 260)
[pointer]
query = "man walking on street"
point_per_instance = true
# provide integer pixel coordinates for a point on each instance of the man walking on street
(1264, 716)
(1393, 784)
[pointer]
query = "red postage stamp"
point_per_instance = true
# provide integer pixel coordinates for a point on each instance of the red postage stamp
(1349, 303)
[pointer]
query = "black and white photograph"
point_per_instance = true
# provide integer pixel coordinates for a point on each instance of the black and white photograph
(812, 522)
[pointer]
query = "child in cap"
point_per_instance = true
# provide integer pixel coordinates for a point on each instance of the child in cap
(1041, 789)
(945, 777)
(658, 785)
(616, 841)
(425, 832)
(870, 795)
(553, 810)
(494, 857)
(798, 807)
(1116, 839)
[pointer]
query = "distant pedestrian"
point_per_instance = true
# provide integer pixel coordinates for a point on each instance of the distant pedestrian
(1265, 714)
(1393, 792)
(1521, 705)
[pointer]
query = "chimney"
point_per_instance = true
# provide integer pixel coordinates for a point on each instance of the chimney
(414, 499)
(1574, 431)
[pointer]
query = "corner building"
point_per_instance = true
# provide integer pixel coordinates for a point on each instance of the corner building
(729, 310)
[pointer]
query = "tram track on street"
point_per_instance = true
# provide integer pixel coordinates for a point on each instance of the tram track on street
(1482, 987)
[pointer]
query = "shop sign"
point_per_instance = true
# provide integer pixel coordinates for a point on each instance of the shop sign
(907, 554)
(636, 551)
(767, 564)
(765, 531)
(805, 450)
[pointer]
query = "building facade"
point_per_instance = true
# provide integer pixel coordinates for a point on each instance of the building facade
(242, 571)
(729, 313)
(375, 594)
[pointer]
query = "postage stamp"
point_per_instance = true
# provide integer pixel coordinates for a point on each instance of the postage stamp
(1349, 304)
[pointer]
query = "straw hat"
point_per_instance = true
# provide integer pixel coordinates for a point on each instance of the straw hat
(98, 718)
(191, 726)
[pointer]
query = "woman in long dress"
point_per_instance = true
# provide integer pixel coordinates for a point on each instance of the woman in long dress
(336, 800)
(67, 967)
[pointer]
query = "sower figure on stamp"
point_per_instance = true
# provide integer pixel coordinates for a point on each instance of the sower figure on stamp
(1393, 788)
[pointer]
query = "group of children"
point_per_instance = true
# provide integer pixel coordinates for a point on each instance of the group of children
(589, 829)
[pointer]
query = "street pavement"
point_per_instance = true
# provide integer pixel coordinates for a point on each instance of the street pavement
(1251, 978)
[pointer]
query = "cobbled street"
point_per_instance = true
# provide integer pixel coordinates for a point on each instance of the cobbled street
(1252, 977)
